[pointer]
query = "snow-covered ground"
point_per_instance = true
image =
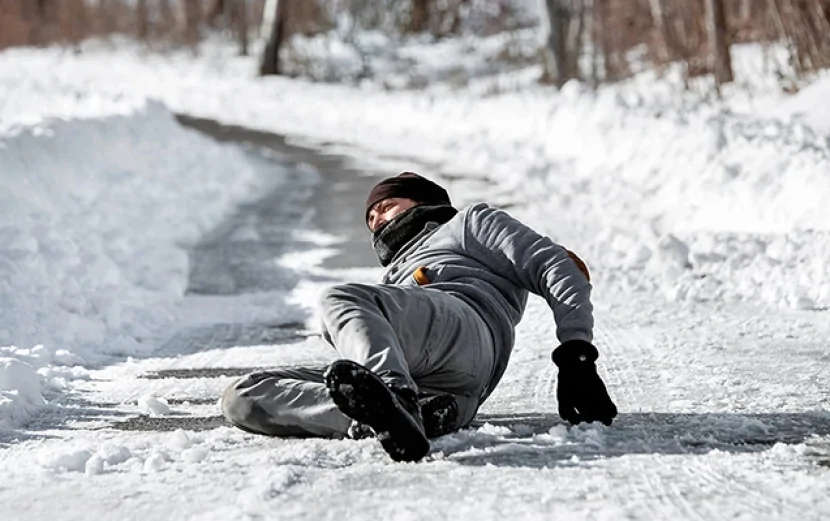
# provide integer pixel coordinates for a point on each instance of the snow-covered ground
(95, 218)
(705, 227)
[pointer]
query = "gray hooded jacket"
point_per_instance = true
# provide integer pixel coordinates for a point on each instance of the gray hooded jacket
(492, 261)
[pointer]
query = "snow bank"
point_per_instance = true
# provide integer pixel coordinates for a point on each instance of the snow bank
(784, 270)
(20, 392)
(623, 152)
(810, 107)
(94, 218)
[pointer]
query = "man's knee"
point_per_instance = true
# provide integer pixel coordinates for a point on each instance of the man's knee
(337, 301)
(339, 293)
(236, 407)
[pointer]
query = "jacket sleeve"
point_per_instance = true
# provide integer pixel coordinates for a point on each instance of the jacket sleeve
(535, 263)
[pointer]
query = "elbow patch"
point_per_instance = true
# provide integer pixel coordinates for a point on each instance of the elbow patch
(421, 276)
(579, 264)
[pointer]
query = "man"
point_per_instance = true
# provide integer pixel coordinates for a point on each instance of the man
(421, 352)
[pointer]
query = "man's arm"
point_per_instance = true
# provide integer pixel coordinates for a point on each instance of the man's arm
(541, 266)
(533, 262)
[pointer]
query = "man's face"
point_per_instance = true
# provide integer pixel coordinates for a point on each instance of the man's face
(386, 210)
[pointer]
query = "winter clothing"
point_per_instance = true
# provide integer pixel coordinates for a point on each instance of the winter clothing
(442, 322)
(407, 185)
(288, 401)
(439, 413)
(491, 261)
(395, 234)
(403, 334)
(581, 393)
(391, 411)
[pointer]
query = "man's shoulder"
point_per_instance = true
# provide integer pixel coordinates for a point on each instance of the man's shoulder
(469, 214)
(473, 208)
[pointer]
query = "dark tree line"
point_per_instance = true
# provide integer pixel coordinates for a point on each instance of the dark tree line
(589, 40)
(697, 33)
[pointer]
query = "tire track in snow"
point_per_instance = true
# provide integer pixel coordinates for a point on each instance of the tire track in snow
(630, 355)
(627, 360)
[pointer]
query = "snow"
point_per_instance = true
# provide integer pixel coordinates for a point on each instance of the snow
(149, 404)
(195, 454)
(704, 224)
(72, 460)
(809, 106)
(20, 392)
(95, 217)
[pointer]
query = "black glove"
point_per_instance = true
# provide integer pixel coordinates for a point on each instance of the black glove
(580, 391)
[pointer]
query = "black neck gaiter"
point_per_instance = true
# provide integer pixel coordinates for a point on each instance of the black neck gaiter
(392, 236)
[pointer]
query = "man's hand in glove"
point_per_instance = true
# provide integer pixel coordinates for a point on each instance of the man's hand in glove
(580, 391)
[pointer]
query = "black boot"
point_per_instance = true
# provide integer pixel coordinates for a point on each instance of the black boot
(439, 412)
(393, 413)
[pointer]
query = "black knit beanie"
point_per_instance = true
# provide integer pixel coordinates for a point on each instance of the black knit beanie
(407, 185)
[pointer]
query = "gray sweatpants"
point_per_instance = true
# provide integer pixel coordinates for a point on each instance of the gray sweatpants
(429, 340)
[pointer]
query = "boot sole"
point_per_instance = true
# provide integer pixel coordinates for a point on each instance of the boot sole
(440, 414)
(363, 396)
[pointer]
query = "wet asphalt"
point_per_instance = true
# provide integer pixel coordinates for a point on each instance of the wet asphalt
(334, 205)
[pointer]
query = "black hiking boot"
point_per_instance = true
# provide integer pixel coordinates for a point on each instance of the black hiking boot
(392, 413)
(439, 412)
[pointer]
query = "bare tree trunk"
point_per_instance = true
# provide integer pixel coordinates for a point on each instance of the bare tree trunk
(821, 17)
(192, 17)
(241, 9)
(658, 18)
(107, 23)
(612, 68)
(595, 32)
(168, 18)
(40, 19)
(77, 23)
(420, 16)
(555, 54)
(576, 33)
(719, 41)
(746, 10)
(455, 27)
(275, 13)
(142, 22)
(217, 9)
